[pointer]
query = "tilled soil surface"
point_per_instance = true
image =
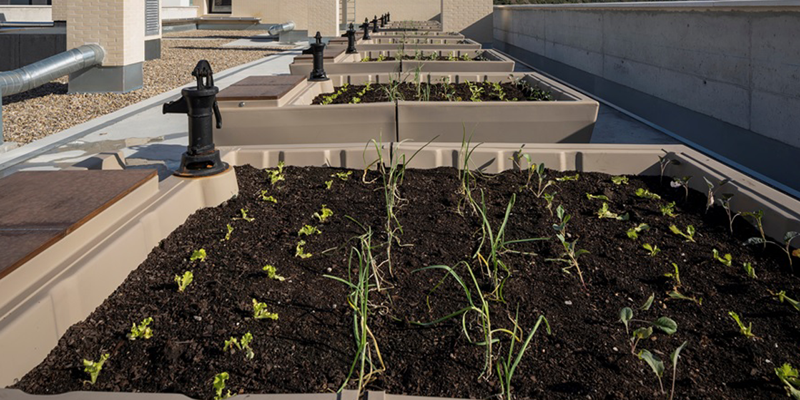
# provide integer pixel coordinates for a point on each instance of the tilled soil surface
(310, 347)
(426, 58)
(477, 91)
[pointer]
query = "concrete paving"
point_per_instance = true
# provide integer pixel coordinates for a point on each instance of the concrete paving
(148, 139)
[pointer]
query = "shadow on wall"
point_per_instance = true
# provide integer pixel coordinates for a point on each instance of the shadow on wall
(437, 17)
(481, 31)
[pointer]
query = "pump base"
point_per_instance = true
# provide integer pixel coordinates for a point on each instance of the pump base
(195, 166)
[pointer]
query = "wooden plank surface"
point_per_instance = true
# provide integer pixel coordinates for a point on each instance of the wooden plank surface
(260, 88)
(39, 208)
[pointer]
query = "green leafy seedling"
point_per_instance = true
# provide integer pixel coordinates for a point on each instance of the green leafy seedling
(656, 365)
(596, 197)
(244, 211)
(664, 324)
(93, 368)
(747, 331)
(782, 297)
(790, 378)
(198, 255)
(328, 184)
(634, 232)
(682, 182)
(689, 235)
(646, 194)
(604, 212)
(726, 260)
(549, 197)
(569, 178)
(786, 247)
(324, 214)
(308, 230)
(343, 176)
(228, 234)
(668, 209)
(272, 273)
(184, 281)
(675, 294)
(620, 180)
(219, 386)
(270, 199)
(712, 190)
(648, 303)
(725, 201)
(242, 344)
(300, 252)
(260, 311)
(276, 175)
(142, 330)
(750, 270)
(675, 276)
(653, 249)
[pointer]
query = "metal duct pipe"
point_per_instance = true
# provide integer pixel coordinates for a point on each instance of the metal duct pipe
(281, 28)
(41, 72)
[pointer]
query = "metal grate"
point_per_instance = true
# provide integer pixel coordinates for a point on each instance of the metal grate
(151, 18)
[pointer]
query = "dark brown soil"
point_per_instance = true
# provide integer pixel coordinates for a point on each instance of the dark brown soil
(311, 346)
(478, 91)
(428, 58)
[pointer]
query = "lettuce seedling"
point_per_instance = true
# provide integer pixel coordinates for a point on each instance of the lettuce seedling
(725, 201)
(308, 230)
(675, 276)
(668, 209)
(343, 176)
(260, 311)
(713, 190)
(782, 297)
(142, 330)
(328, 184)
(596, 197)
(266, 198)
(324, 214)
(634, 232)
(727, 260)
(228, 234)
(790, 378)
(675, 294)
(241, 344)
(244, 211)
(93, 368)
(569, 178)
(619, 180)
(276, 175)
(300, 252)
(689, 235)
(603, 212)
(184, 281)
(750, 270)
(272, 273)
(747, 331)
(198, 255)
(646, 194)
(787, 244)
(549, 197)
(219, 386)
(652, 249)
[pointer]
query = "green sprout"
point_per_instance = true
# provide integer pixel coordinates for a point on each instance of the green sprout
(93, 368)
(620, 180)
(343, 176)
(675, 276)
(228, 234)
(782, 297)
(266, 198)
(276, 175)
(569, 178)
(198, 255)
(142, 330)
(570, 256)
(634, 232)
(653, 249)
(750, 270)
(790, 379)
(219, 386)
(747, 331)
(597, 197)
(563, 218)
(507, 367)
(604, 212)
(726, 260)
(656, 365)
(260, 311)
(664, 162)
(328, 184)
(689, 235)
(308, 230)
(646, 194)
(541, 174)
(725, 201)
(548, 198)
(324, 214)
(244, 211)
(786, 247)
(664, 324)
(668, 209)
(713, 190)
(184, 281)
(682, 182)
(242, 344)
(675, 294)
(300, 252)
(272, 273)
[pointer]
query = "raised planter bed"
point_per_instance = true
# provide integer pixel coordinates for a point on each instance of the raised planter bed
(372, 61)
(256, 115)
(586, 341)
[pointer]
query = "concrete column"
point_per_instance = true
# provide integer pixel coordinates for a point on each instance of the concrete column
(59, 10)
(323, 16)
(473, 18)
(119, 27)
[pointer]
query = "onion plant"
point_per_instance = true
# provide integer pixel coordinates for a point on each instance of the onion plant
(507, 366)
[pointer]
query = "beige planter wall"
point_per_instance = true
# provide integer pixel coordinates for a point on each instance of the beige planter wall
(473, 18)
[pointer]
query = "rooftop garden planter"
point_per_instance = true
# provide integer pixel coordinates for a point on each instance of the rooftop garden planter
(256, 112)
(310, 347)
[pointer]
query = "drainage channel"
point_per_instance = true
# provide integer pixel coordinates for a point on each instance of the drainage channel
(705, 150)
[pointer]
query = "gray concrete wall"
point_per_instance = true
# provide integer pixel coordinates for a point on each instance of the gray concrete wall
(737, 62)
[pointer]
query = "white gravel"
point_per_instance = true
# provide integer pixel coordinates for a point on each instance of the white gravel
(49, 109)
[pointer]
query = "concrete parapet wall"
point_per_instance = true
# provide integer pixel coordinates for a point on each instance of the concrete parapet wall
(27, 13)
(473, 18)
(738, 62)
